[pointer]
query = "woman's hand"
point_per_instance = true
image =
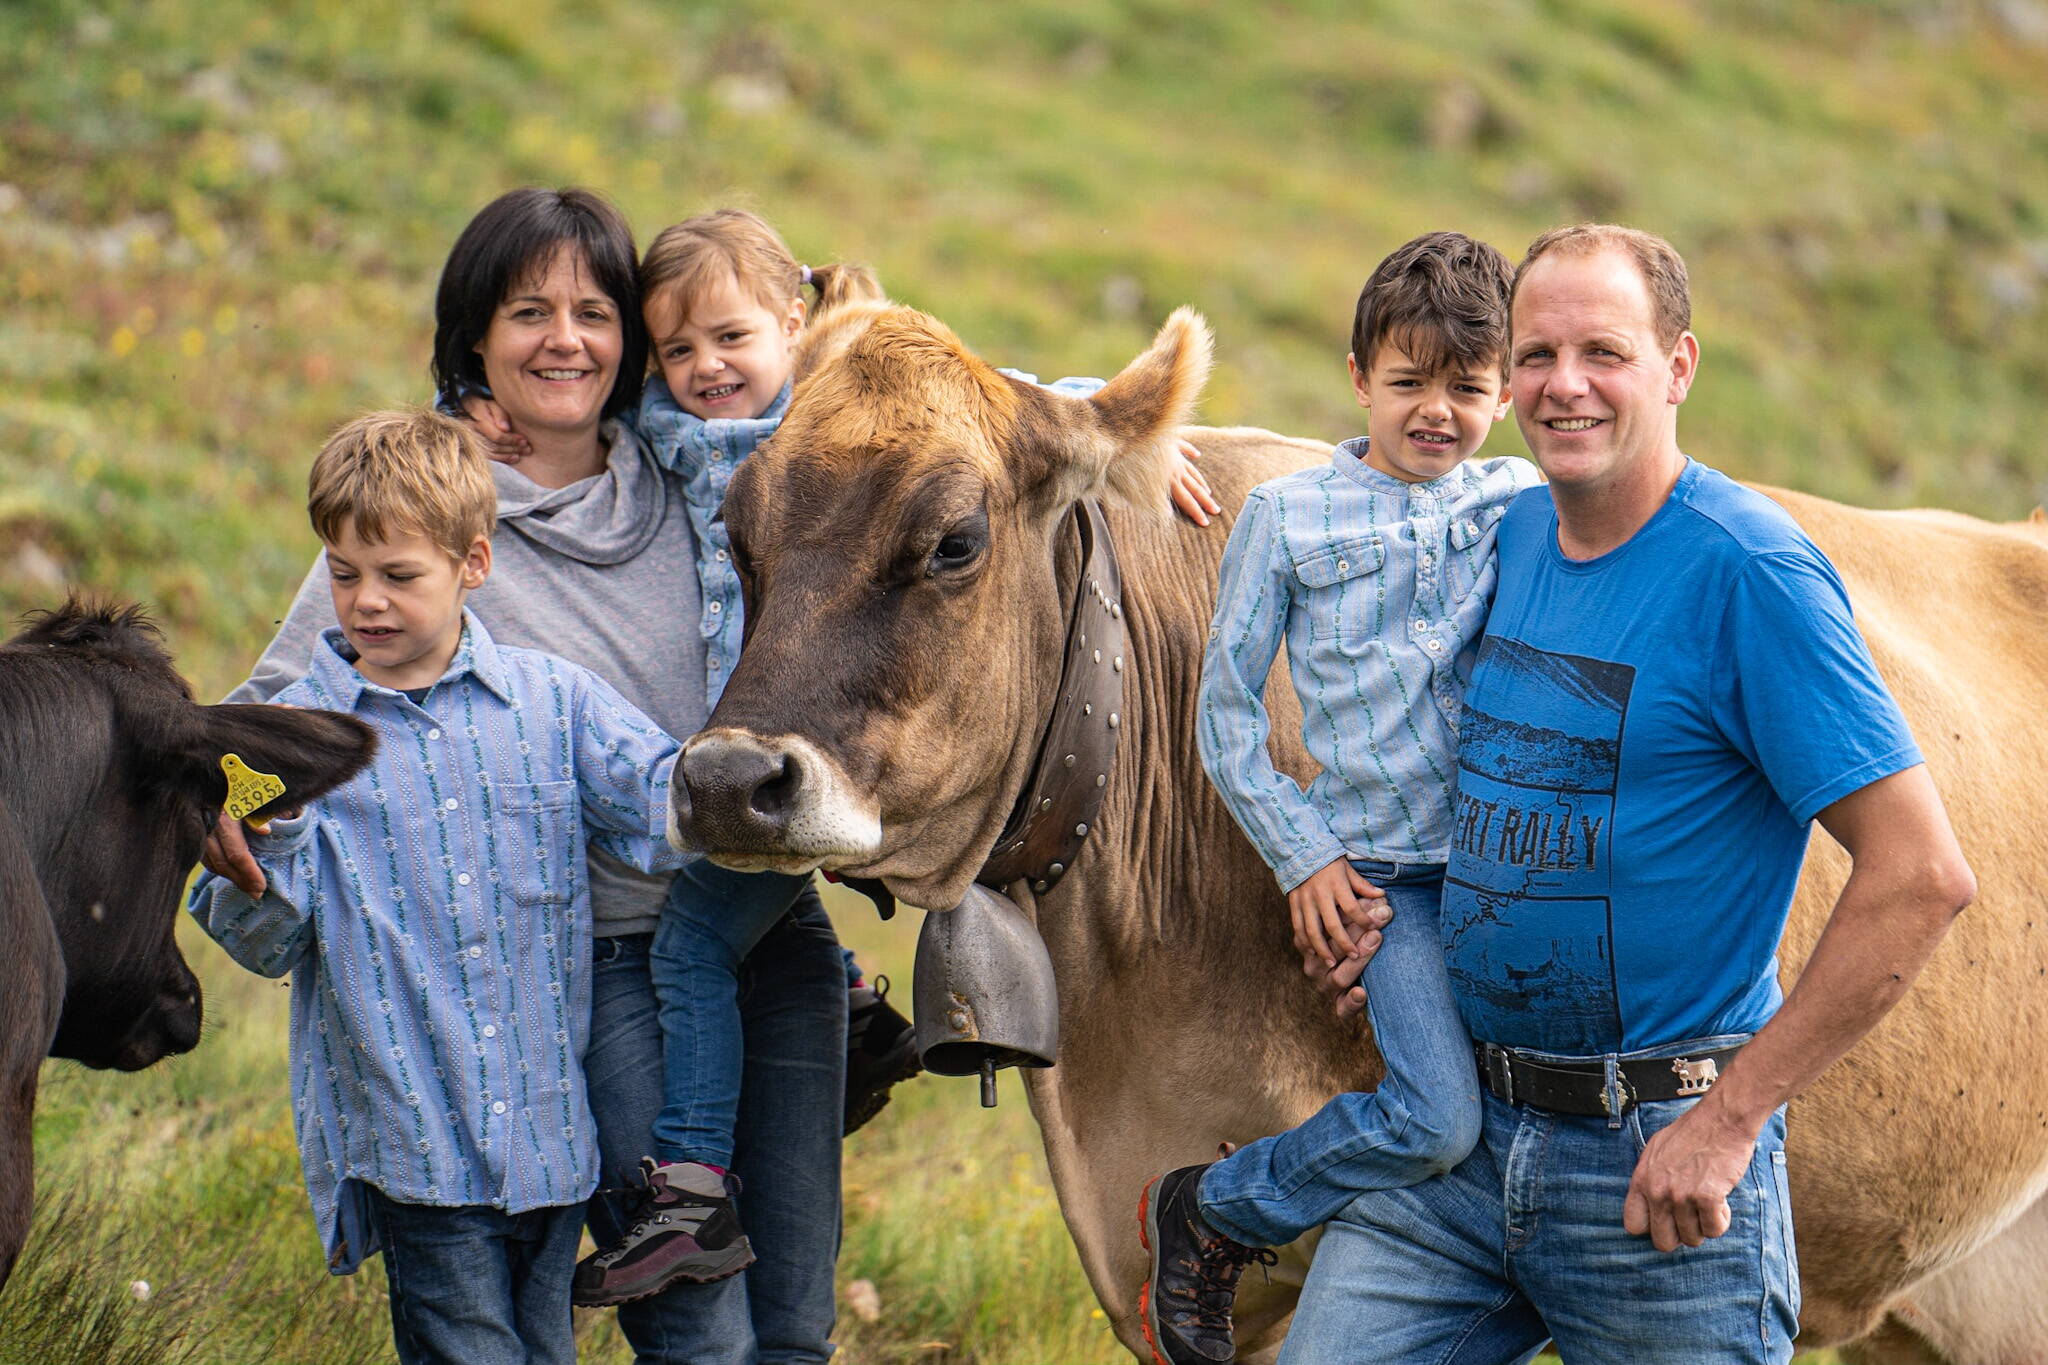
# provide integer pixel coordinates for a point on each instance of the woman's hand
(489, 421)
(1189, 489)
(226, 854)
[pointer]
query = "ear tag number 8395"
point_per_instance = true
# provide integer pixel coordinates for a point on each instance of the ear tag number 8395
(248, 790)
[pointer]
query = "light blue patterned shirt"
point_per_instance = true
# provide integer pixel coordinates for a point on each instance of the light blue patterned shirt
(435, 918)
(705, 455)
(1379, 590)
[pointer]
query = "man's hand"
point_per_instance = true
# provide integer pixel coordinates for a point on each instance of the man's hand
(1319, 907)
(1190, 490)
(1679, 1193)
(1340, 982)
(489, 421)
(226, 854)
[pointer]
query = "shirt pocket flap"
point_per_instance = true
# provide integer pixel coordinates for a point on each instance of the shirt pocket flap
(1346, 559)
(1469, 529)
(524, 798)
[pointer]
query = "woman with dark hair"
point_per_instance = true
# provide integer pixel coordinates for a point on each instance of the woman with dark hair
(595, 561)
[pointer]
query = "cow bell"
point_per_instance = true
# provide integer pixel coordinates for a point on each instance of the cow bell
(985, 996)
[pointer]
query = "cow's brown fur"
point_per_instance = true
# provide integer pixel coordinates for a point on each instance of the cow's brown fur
(1918, 1163)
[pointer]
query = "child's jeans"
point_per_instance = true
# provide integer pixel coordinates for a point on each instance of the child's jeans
(474, 1285)
(1422, 1121)
(712, 918)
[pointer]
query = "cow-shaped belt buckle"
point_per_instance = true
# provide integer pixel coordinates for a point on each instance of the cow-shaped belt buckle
(1695, 1078)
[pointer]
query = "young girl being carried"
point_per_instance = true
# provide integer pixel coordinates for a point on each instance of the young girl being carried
(724, 304)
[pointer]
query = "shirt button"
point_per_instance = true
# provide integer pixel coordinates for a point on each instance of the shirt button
(450, 803)
(717, 607)
(1422, 625)
(490, 1030)
(1435, 646)
(498, 1107)
(433, 734)
(462, 879)
(1342, 566)
(476, 952)
(719, 556)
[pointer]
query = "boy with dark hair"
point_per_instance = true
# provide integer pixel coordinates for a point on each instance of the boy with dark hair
(434, 911)
(1375, 573)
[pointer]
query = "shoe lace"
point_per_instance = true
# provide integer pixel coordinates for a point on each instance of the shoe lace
(645, 1208)
(1218, 1264)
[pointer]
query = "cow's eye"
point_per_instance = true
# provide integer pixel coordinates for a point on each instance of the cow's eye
(954, 551)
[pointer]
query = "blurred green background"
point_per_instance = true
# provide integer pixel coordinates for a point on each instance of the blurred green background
(221, 223)
(220, 226)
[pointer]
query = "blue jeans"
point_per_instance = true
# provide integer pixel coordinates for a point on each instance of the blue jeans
(712, 919)
(1524, 1242)
(474, 1285)
(793, 1014)
(1422, 1121)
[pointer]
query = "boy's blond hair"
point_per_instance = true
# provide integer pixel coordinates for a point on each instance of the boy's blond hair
(403, 472)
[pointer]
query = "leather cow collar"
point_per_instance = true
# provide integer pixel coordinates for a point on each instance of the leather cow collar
(1070, 773)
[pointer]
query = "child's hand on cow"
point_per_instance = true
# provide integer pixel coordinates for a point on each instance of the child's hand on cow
(1321, 906)
(226, 854)
(489, 421)
(1189, 489)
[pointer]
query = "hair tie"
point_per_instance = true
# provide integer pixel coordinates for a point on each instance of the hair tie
(807, 273)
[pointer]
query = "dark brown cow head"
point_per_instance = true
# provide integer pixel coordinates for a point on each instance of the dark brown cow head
(906, 549)
(109, 779)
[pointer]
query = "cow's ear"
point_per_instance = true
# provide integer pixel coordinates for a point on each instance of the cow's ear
(312, 752)
(1117, 444)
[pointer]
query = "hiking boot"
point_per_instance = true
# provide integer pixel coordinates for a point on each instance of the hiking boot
(881, 1049)
(686, 1230)
(1184, 1307)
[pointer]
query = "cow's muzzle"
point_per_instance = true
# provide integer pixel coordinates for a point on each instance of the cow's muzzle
(775, 803)
(169, 1027)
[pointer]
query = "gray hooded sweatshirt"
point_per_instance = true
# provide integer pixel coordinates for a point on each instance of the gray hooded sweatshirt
(602, 573)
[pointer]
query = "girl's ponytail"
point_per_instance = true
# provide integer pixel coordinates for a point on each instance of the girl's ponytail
(839, 285)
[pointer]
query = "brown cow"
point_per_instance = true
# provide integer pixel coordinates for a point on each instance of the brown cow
(907, 553)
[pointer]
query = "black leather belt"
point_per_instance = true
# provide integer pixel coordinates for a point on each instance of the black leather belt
(1581, 1087)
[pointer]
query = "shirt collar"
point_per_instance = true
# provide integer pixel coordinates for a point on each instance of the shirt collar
(334, 665)
(1349, 458)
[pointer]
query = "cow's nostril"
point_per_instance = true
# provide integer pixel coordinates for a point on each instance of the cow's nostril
(772, 798)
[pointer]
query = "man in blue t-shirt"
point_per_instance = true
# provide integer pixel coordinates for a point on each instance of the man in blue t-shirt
(1671, 689)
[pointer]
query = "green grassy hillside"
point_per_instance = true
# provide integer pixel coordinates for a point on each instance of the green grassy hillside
(220, 225)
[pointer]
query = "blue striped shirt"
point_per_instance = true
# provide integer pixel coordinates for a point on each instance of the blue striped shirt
(1379, 590)
(705, 455)
(435, 918)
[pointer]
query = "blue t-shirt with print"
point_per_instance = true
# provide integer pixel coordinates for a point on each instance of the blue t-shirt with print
(1646, 738)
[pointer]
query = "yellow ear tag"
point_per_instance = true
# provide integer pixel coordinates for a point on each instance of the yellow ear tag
(249, 790)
